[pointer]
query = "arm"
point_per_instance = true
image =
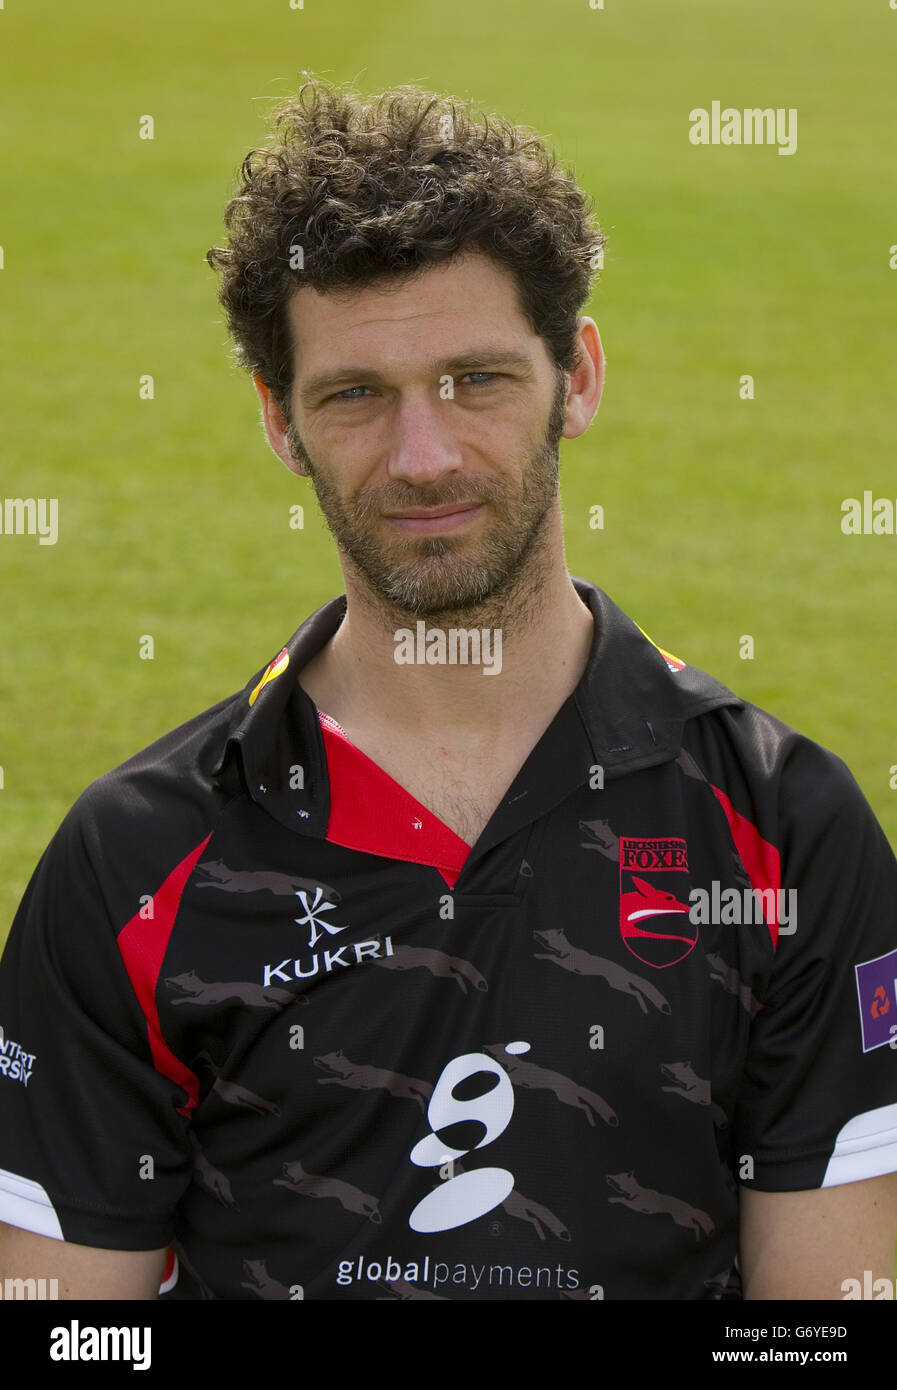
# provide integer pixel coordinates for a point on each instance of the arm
(82, 1270)
(817, 1102)
(76, 1134)
(805, 1244)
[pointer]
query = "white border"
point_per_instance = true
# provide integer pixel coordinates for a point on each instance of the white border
(866, 1147)
(25, 1204)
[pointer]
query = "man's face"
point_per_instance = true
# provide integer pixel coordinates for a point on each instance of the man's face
(445, 398)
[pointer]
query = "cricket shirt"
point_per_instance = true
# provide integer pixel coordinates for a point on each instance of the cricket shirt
(262, 1007)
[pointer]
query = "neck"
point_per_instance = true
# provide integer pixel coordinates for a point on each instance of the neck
(536, 637)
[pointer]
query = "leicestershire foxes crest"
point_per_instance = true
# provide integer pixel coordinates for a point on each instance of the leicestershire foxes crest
(654, 910)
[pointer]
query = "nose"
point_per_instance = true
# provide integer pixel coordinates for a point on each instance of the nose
(423, 448)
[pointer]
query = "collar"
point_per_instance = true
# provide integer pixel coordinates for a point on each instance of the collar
(627, 713)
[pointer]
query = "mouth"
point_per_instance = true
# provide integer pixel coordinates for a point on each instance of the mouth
(434, 520)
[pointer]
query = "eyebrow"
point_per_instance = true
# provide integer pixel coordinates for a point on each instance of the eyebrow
(485, 359)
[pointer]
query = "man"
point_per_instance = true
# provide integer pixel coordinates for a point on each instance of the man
(478, 948)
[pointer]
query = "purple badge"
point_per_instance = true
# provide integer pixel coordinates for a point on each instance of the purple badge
(877, 993)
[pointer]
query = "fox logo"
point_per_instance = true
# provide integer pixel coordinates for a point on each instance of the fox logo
(650, 1202)
(648, 901)
(351, 1198)
(654, 916)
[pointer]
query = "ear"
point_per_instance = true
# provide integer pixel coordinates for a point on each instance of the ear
(275, 425)
(586, 380)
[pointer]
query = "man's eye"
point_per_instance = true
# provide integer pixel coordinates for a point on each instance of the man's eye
(347, 394)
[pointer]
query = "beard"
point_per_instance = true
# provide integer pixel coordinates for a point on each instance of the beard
(493, 578)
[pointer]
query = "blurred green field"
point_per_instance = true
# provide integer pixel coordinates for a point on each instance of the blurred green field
(722, 515)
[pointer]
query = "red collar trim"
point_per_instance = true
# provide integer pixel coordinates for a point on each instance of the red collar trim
(372, 813)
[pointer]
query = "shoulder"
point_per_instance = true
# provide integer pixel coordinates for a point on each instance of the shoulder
(132, 827)
(174, 776)
(644, 705)
(765, 765)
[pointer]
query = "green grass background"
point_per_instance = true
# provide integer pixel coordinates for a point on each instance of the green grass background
(722, 516)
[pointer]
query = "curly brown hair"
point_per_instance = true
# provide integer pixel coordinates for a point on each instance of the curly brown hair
(367, 190)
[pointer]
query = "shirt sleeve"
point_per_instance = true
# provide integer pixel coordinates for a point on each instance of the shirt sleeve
(818, 1104)
(93, 1147)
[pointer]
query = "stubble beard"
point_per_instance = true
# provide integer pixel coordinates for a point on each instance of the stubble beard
(488, 583)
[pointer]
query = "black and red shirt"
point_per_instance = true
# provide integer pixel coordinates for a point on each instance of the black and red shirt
(260, 1005)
